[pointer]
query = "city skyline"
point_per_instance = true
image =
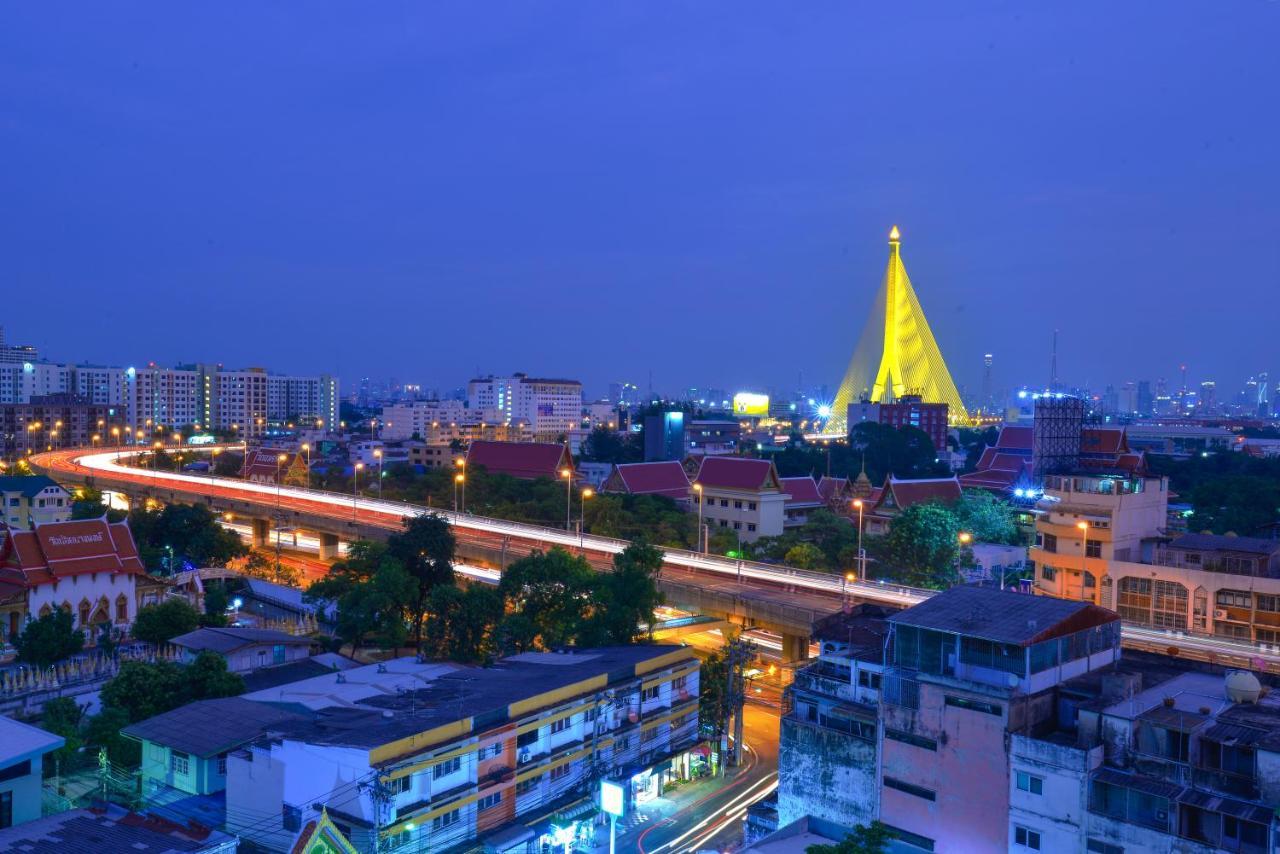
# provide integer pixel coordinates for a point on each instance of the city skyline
(233, 189)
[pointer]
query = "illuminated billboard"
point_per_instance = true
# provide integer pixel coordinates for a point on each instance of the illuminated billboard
(751, 405)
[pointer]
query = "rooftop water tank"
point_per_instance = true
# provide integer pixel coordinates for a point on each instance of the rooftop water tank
(1242, 687)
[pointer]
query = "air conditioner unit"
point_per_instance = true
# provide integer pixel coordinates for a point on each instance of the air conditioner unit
(1220, 613)
(524, 756)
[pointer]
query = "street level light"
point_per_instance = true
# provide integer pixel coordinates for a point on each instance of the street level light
(567, 474)
(702, 545)
(582, 516)
(859, 504)
(1084, 552)
(377, 455)
(459, 481)
(355, 488)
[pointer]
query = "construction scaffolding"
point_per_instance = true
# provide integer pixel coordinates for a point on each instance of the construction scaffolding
(1055, 443)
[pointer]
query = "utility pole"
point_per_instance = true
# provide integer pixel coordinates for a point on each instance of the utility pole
(739, 654)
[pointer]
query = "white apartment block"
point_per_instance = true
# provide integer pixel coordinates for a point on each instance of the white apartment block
(550, 407)
(406, 420)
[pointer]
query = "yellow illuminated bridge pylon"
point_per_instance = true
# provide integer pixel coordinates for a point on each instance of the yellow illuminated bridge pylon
(896, 354)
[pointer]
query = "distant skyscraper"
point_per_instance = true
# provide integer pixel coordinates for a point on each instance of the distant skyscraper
(15, 354)
(1145, 404)
(1264, 395)
(1208, 403)
(986, 382)
(1053, 363)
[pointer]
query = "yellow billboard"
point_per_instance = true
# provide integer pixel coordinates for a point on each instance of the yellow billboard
(751, 405)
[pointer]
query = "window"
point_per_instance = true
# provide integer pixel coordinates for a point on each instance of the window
(493, 751)
(561, 771)
(1097, 846)
(6, 809)
(291, 817)
(222, 764)
(561, 725)
(179, 762)
(724, 502)
(1030, 783)
(867, 679)
(20, 769)
(910, 738)
(525, 785)
(751, 505)
(442, 769)
(277, 654)
(1050, 542)
(910, 788)
(489, 801)
(1233, 599)
(924, 843)
(751, 526)
(400, 785)
(1268, 603)
(1093, 548)
(1026, 838)
(975, 705)
(724, 523)
(447, 820)
(1048, 573)
(737, 505)
(737, 526)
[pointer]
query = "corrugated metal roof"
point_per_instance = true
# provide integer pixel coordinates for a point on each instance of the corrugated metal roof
(1001, 615)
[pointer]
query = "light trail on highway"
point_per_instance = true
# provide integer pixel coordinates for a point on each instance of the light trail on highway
(389, 514)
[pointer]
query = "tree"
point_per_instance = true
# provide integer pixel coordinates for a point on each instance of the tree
(207, 678)
(987, 518)
(373, 613)
(87, 503)
(604, 445)
(627, 597)
(63, 716)
(216, 602)
(1239, 504)
(159, 624)
(865, 839)
(190, 530)
(462, 623)
(905, 452)
(104, 731)
(554, 591)
(49, 639)
(425, 548)
(145, 689)
(721, 541)
(922, 543)
(804, 556)
(713, 688)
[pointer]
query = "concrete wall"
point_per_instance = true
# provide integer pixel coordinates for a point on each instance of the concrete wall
(26, 792)
(201, 777)
(825, 773)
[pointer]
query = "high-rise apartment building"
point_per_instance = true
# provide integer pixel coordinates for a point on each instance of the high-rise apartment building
(550, 407)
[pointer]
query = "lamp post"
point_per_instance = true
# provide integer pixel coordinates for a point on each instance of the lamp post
(377, 455)
(213, 459)
(963, 539)
(582, 517)
(702, 545)
(1084, 552)
(567, 474)
(859, 504)
(306, 449)
(355, 488)
(459, 482)
(848, 577)
(280, 458)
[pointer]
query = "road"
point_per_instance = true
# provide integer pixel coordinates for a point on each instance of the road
(804, 590)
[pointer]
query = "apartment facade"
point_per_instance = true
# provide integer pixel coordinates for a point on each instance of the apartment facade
(1105, 540)
(33, 500)
(55, 421)
(424, 756)
(549, 407)
(738, 494)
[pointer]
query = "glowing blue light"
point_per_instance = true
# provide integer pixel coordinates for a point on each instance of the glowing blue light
(1020, 493)
(1022, 395)
(824, 411)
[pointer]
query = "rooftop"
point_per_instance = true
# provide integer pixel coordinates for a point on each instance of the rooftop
(19, 741)
(57, 550)
(27, 485)
(801, 491)
(226, 640)
(1225, 543)
(525, 460)
(209, 727)
(744, 473)
(657, 478)
(377, 704)
(1002, 616)
(94, 831)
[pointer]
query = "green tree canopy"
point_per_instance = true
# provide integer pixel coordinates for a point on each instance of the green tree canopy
(804, 556)
(161, 623)
(627, 597)
(603, 445)
(191, 530)
(49, 639)
(553, 590)
(425, 549)
(461, 623)
(922, 545)
(145, 689)
(207, 678)
(988, 518)
(865, 839)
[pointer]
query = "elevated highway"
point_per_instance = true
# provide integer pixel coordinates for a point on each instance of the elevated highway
(780, 599)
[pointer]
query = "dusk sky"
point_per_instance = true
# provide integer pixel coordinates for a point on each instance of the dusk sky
(595, 190)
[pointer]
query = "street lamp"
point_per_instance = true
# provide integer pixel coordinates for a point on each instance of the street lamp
(582, 517)
(1084, 552)
(213, 459)
(280, 458)
(377, 455)
(567, 474)
(306, 449)
(962, 539)
(859, 504)
(702, 545)
(355, 488)
(848, 577)
(459, 481)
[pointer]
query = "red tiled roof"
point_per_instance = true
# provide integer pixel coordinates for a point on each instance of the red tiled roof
(60, 549)
(659, 478)
(1103, 440)
(801, 490)
(905, 493)
(1008, 462)
(526, 460)
(737, 473)
(831, 488)
(997, 479)
(1015, 438)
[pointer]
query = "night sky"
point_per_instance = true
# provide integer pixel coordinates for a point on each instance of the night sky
(601, 189)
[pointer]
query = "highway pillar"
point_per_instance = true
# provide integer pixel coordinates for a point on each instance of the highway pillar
(261, 533)
(328, 546)
(795, 647)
